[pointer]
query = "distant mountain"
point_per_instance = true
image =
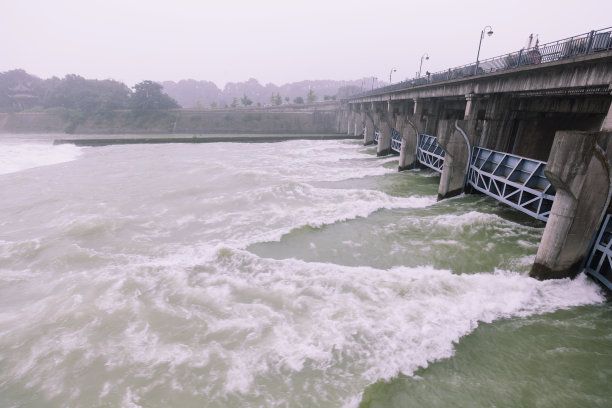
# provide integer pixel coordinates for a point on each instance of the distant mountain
(190, 93)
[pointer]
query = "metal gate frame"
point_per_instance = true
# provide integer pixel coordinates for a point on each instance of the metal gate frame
(429, 152)
(599, 264)
(396, 140)
(514, 180)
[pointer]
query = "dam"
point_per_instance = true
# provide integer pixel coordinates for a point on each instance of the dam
(531, 129)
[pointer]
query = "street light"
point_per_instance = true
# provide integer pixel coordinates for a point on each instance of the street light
(489, 32)
(426, 56)
(392, 71)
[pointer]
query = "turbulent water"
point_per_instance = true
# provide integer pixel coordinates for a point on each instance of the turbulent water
(293, 274)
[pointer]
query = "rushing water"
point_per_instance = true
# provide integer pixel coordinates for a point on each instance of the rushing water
(294, 274)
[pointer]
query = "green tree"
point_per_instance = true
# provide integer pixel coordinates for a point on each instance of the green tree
(213, 104)
(299, 99)
(278, 100)
(149, 95)
(311, 97)
(287, 99)
(76, 92)
(234, 102)
(246, 101)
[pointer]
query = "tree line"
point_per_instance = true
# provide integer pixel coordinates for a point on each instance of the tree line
(20, 91)
(274, 100)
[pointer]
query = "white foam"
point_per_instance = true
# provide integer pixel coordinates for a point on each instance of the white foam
(382, 322)
(17, 157)
(476, 218)
(276, 210)
(239, 321)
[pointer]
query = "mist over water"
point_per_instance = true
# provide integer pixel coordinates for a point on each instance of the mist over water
(298, 274)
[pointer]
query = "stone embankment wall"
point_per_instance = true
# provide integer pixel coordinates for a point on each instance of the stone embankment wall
(26, 122)
(308, 118)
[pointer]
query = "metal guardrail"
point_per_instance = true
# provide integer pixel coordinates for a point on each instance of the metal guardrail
(513, 180)
(583, 44)
(429, 152)
(396, 140)
(599, 264)
(376, 134)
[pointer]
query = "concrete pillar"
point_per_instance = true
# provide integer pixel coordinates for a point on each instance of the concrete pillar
(360, 122)
(427, 113)
(579, 169)
(501, 133)
(368, 136)
(469, 107)
(345, 122)
(384, 140)
(407, 159)
(455, 159)
(343, 116)
(385, 124)
(375, 120)
(417, 117)
(607, 122)
(471, 125)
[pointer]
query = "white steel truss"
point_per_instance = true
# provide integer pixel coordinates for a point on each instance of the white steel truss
(514, 180)
(429, 153)
(396, 140)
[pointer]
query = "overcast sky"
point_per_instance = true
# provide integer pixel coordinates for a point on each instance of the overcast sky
(273, 41)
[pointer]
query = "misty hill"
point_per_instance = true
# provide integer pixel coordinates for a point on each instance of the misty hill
(22, 91)
(190, 93)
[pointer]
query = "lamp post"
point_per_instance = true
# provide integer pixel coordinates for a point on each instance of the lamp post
(426, 56)
(390, 73)
(489, 32)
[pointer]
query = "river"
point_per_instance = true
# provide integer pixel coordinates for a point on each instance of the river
(292, 274)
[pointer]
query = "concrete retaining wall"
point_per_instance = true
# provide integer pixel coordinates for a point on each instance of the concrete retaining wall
(309, 119)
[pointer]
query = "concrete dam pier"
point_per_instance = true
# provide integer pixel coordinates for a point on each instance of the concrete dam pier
(532, 129)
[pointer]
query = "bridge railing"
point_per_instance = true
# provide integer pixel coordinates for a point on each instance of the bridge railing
(429, 152)
(514, 180)
(396, 140)
(583, 44)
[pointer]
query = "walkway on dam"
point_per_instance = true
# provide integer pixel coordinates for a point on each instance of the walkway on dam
(584, 44)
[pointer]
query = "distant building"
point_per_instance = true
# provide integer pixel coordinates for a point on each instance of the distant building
(22, 96)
